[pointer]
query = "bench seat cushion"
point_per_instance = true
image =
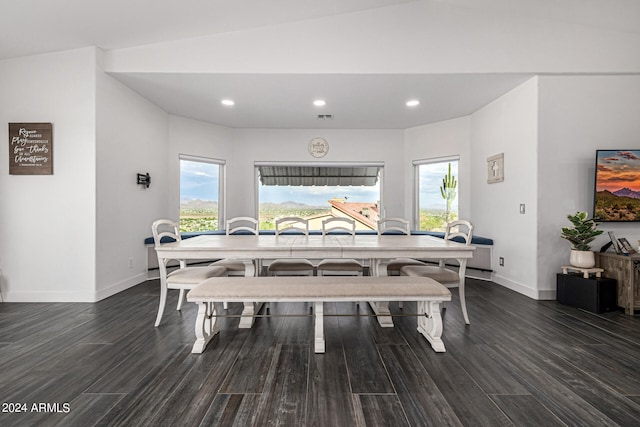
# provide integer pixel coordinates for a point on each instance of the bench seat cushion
(291, 265)
(323, 288)
(194, 275)
(439, 274)
(398, 263)
(343, 264)
(230, 264)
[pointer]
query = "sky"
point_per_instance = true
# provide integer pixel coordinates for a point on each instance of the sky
(618, 169)
(200, 180)
(430, 178)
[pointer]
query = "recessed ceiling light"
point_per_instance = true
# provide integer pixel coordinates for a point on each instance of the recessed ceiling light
(319, 103)
(228, 102)
(413, 103)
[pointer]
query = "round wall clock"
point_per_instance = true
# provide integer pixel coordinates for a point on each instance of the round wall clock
(318, 147)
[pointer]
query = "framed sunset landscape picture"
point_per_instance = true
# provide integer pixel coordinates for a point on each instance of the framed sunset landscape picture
(617, 192)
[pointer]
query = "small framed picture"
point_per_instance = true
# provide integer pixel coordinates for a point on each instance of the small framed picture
(624, 243)
(615, 243)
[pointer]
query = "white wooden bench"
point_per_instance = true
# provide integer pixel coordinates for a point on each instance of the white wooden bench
(428, 293)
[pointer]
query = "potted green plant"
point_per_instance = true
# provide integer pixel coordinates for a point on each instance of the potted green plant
(583, 232)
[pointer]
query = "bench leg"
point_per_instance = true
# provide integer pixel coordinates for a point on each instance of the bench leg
(430, 326)
(319, 327)
(206, 327)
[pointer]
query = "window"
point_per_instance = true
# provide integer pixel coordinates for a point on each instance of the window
(436, 192)
(317, 192)
(200, 193)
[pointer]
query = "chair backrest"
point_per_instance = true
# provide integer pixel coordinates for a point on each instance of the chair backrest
(165, 228)
(339, 225)
(171, 230)
(393, 225)
(459, 228)
(292, 225)
(242, 225)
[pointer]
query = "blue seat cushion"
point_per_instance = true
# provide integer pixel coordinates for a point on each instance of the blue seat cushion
(188, 235)
(475, 240)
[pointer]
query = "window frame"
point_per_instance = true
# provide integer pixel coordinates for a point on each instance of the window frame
(221, 163)
(416, 184)
(256, 175)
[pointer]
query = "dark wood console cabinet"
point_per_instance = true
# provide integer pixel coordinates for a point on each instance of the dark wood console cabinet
(626, 271)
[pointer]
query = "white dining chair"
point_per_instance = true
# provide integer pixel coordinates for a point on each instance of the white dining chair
(455, 229)
(339, 266)
(183, 278)
(395, 226)
(240, 225)
(292, 266)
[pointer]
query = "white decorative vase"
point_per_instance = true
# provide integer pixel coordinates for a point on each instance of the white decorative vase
(582, 259)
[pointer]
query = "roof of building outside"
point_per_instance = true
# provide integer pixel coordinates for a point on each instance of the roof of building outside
(358, 211)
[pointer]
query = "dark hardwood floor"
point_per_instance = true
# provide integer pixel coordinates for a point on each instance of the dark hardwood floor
(521, 362)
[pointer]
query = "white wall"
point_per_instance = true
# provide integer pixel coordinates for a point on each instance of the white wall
(194, 138)
(443, 139)
(241, 148)
(291, 145)
(578, 115)
(131, 137)
(508, 125)
(548, 129)
(48, 223)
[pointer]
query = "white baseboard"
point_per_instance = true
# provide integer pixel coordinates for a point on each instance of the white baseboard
(85, 296)
(479, 274)
(537, 294)
(515, 286)
(41, 296)
(547, 294)
(120, 286)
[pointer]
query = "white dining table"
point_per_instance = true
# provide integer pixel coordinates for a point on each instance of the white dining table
(376, 248)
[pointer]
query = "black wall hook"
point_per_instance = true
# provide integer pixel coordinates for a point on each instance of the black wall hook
(144, 179)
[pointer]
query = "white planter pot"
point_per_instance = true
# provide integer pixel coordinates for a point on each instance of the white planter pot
(582, 259)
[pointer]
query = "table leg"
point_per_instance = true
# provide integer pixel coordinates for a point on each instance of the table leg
(381, 309)
(381, 268)
(249, 268)
(248, 312)
(318, 314)
(250, 307)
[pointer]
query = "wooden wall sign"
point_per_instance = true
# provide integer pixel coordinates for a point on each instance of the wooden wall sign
(495, 168)
(30, 149)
